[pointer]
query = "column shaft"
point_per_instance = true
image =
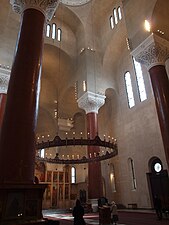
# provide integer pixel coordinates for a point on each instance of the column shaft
(92, 124)
(160, 84)
(17, 140)
(94, 169)
(2, 107)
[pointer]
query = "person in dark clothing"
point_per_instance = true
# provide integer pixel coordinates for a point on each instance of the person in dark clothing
(114, 214)
(158, 207)
(78, 213)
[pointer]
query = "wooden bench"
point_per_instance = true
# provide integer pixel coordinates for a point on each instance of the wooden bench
(132, 206)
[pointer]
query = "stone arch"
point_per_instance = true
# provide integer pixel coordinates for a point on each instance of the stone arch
(159, 18)
(68, 105)
(151, 162)
(46, 123)
(79, 123)
(109, 112)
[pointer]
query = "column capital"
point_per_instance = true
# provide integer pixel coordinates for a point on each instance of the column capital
(4, 80)
(91, 102)
(153, 51)
(47, 7)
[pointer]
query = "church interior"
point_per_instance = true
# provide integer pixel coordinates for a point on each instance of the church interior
(84, 105)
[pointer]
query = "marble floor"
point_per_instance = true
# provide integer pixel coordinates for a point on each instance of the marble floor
(126, 217)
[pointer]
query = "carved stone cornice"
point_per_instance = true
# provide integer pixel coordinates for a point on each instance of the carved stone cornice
(47, 7)
(91, 102)
(152, 52)
(4, 80)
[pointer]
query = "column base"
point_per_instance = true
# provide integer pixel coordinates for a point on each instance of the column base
(21, 204)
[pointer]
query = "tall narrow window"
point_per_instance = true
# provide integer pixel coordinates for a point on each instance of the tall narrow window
(112, 178)
(53, 31)
(119, 13)
(73, 175)
(59, 34)
(115, 16)
(84, 86)
(129, 89)
(42, 153)
(132, 172)
(140, 80)
(48, 30)
(111, 22)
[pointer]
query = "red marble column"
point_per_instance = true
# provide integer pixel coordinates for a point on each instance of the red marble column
(17, 140)
(91, 103)
(153, 53)
(2, 106)
(94, 169)
(160, 84)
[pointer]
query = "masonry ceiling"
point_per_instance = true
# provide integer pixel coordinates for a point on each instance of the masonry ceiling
(83, 26)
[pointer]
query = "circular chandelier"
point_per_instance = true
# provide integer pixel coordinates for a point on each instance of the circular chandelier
(111, 150)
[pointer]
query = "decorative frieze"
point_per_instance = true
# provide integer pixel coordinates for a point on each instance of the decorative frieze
(152, 52)
(91, 102)
(47, 7)
(4, 80)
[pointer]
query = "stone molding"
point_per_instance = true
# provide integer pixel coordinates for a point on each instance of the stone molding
(74, 2)
(47, 7)
(152, 52)
(4, 80)
(91, 102)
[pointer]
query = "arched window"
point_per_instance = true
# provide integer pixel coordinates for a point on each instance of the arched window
(155, 165)
(111, 22)
(119, 13)
(73, 175)
(140, 80)
(42, 153)
(53, 31)
(48, 30)
(115, 16)
(59, 34)
(132, 173)
(129, 90)
(112, 178)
